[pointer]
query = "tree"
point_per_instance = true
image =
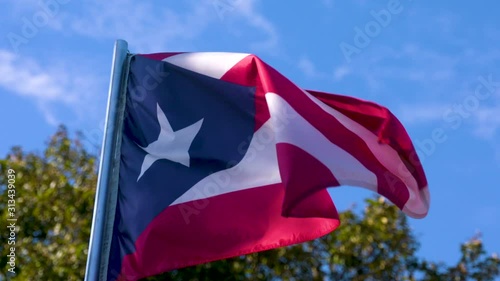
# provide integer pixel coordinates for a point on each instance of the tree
(54, 201)
(54, 193)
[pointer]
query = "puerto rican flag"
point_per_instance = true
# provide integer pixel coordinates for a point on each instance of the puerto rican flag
(223, 156)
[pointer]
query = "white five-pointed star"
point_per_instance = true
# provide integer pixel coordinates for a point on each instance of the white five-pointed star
(170, 145)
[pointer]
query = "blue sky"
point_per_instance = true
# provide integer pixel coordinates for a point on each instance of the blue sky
(428, 61)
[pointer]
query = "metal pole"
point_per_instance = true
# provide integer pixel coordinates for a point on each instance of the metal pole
(107, 182)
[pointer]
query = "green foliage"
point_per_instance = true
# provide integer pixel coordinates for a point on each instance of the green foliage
(378, 245)
(55, 194)
(54, 200)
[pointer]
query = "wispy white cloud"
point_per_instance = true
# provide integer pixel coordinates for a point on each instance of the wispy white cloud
(487, 122)
(411, 114)
(249, 12)
(28, 17)
(409, 63)
(340, 72)
(148, 27)
(26, 78)
(310, 70)
(49, 86)
(435, 80)
(307, 67)
(152, 26)
(483, 119)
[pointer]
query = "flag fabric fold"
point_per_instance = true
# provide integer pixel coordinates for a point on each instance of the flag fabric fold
(223, 156)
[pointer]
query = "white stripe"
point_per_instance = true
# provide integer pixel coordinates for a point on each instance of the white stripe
(417, 204)
(346, 168)
(213, 64)
(426, 199)
(259, 167)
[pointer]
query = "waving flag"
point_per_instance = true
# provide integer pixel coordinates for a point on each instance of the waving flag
(222, 156)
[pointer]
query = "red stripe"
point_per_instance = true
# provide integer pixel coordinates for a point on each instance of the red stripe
(305, 179)
(380, 121)
(248, 221)
(389, 185)
(220, 227)
(251, 71)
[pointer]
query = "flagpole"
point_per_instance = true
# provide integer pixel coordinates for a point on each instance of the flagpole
(107, 182)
